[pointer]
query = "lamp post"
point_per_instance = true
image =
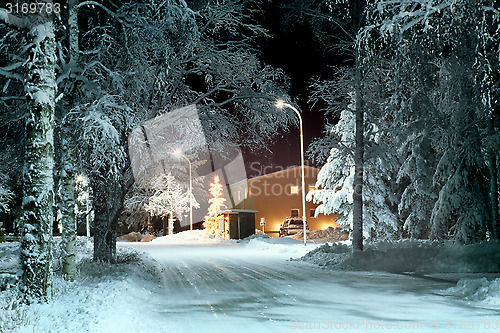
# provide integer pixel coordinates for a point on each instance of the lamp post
(280, 104)
(179, 154)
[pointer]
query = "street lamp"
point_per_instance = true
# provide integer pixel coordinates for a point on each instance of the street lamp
(280, 104)
(179, 153)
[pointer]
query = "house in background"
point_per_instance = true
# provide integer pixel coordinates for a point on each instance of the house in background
(277, 196)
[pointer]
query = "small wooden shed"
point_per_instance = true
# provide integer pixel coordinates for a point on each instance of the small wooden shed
(237, 223)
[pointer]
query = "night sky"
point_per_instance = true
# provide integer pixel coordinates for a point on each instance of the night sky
(294, 49)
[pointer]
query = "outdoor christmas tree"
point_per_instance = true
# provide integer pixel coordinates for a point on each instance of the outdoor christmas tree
(211, 223)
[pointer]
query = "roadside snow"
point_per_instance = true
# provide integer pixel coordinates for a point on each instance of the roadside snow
(252, 278)
(422, 257)
(103, 297)
(9, 252)
(441, 262)
(478, 290)
(192, 237)
(283, 246)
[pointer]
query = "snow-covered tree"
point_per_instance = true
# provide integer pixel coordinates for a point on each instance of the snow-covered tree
(216, 202)
(34, 66)
(339, 25)
(168, 57)
(134, 208)
(415, 174)
(83, 211)
(12, 108)
(38, 183)
(123, 63)
(6, 194)
(437, 56)
(171, 199)
(66, 168)
(335, 180)
(487, 68)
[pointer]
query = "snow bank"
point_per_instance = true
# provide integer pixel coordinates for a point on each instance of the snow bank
(283, 246)
(192, 237)
(422, 257)
(478, 290)
(9, 252)
(103, 297)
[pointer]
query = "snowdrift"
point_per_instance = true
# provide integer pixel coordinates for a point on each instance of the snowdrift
(192, 237)
(101, 299)
(282, 246)
(452, 262)
(478, 290)
(421, 257)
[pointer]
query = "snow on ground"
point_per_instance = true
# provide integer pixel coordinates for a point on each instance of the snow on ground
(479, 290)
(421, 257)
(191, 282)
(285, 247)
(192, 237)
(475, 268)
(103, 297)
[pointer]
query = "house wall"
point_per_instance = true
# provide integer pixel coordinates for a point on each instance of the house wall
(272, 196)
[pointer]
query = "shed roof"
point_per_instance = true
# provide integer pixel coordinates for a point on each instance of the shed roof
(235, 211)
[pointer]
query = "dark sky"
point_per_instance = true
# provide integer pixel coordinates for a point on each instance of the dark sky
(294, 49)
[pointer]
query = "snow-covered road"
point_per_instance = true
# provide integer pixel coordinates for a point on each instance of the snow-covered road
(240, 288)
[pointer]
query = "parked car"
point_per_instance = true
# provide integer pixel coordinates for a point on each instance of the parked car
(291, 226)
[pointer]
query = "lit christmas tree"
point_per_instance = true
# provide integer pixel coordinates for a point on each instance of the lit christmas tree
(211, 223)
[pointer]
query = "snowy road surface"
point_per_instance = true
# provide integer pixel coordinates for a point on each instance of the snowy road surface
(240, 288)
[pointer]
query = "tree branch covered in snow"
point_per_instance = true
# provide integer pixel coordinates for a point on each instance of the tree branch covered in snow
(170, 199)
(6, 195)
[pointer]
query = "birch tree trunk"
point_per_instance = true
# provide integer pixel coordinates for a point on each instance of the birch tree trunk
(38, 178)
(67, 196)
(68, 184)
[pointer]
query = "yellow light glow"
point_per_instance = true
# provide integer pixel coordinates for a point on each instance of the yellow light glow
(280, 104)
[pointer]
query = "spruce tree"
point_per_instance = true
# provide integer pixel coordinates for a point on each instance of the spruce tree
(211, 223)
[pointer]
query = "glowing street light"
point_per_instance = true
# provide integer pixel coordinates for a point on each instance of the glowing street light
(178, 153)
(280, 104)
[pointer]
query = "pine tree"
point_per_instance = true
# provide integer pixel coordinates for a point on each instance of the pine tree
(211, 223)
(335, 179)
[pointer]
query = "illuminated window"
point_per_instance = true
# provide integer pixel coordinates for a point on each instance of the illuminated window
(312, 187)
(294, 213)
(294, 189)
(312, 212)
